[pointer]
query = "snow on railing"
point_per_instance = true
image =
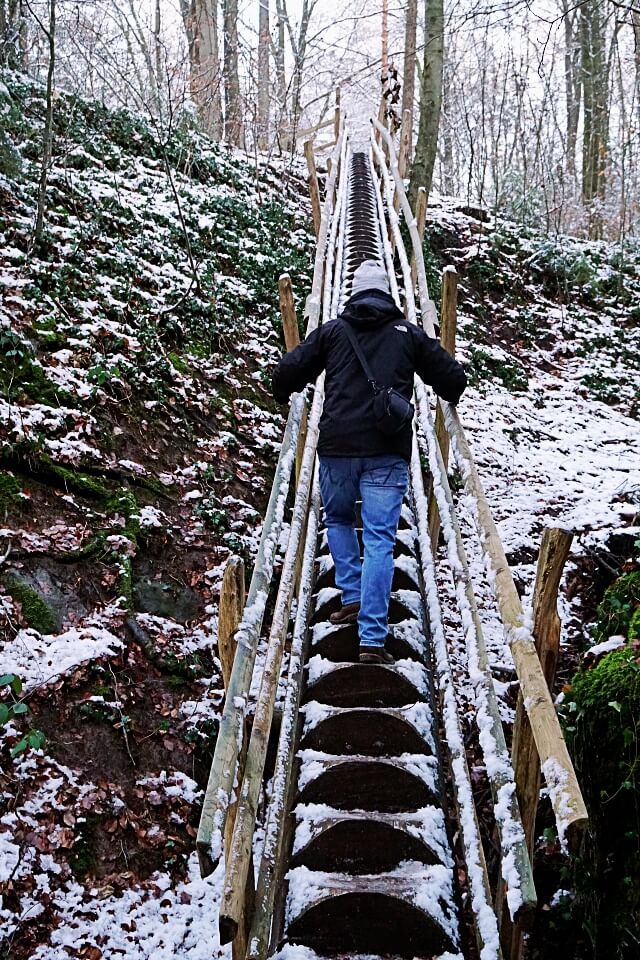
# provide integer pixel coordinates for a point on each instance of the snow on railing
(223, 773)
(515, 862)
(567, 802)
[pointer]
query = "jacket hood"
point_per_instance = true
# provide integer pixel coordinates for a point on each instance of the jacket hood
(370, 309)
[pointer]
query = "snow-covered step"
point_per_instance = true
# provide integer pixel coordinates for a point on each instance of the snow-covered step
(405, 573)
(366, 685)
(409, 910)
(403, 604)
(359, 782)
(354, 841)
(295, 951)
(340, 643)
(380, 731)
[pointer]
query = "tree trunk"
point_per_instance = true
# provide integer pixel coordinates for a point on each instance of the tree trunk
(635, 14)
(595, 83)
(11, 26)
(281, 83)
(157, 47)
(299, 47)
(232, 106)
(263, 75)
(385, 39)
(409, 77)
(47, 136)
(573, 85)
(200, 19)
(430, 100)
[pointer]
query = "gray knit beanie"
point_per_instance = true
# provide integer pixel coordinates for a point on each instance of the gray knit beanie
(370, 275)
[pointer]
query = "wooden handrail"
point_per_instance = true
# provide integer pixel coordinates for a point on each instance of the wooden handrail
(515, 864)
(230, 738)
(565, 794)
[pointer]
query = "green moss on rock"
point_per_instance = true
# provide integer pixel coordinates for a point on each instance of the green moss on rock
(619, 606)
(35, 610)
(10, 490)
(602, 718)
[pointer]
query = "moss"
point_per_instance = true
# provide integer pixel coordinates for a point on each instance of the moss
(82, 857)
(619, 606)
(180, 364)
(76, 482)
(124, 504)
(634, 625)
(125, 584)
(484, 366)
(10, 490)
(35, 610)
(602, 717)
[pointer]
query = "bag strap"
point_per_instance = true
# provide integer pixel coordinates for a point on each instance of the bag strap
(357, 349)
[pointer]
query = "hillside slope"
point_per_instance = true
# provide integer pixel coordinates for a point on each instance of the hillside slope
(137, 442)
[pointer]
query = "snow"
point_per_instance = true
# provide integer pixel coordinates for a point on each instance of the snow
(40, 659)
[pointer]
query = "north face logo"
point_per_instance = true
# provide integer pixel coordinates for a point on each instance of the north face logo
(401, 328)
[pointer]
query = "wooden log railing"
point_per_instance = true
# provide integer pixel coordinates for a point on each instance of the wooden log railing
(566, 797)
(230, 740)
(515, 861)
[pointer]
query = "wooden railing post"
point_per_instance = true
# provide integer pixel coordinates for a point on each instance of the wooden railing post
(292, 339)
(421, 219)
(448, 327)
(554, 551)
(336, 116)
(314, 190)
(232, 600)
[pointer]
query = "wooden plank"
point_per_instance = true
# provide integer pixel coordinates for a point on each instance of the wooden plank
(318, 126)
(232, 600)
(554, 550)
(231, 909)
(448, 326)
(314, 190)
(224, 766)
(556, 544)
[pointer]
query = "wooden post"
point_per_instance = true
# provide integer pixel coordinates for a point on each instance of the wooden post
(329, 165)
(336, 117)
(313, 185)
(292, 339)
(448, 326)
(554, 551)
(421, 219)
(232, 600)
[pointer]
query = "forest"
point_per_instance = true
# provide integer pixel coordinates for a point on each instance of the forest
(191, 763)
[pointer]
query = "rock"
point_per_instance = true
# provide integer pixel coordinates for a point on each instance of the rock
(164, 599)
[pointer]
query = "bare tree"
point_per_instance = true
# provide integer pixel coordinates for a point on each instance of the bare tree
(12, 27)
(409, 74)
(232, 104)
(47, 135)
(430, 100)
(263, 74)
(200, 18)
(595, 85)
(573, 82)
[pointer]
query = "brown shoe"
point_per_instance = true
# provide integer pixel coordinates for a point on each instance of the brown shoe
(347, 614)
(371, 654)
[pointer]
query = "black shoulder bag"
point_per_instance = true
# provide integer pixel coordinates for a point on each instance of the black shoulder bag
(391, 410)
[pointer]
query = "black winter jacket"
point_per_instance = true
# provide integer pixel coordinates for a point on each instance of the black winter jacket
(395, 350)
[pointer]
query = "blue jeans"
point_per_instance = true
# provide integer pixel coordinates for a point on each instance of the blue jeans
(381, 483)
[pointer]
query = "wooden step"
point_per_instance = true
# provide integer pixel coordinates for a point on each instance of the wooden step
(341, 643)
(378, 732)
(359, 842)
(407, 912)
(405, 573)
(404, 545)
(390, 784)
(403, 605)
(366, 684)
